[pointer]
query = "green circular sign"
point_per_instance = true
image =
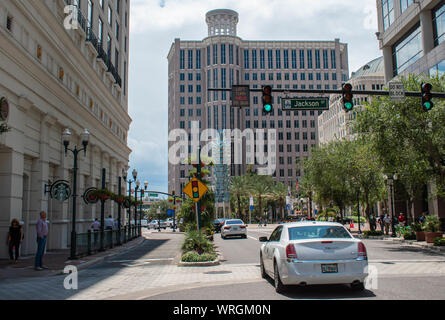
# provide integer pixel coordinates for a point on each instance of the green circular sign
(60, 190)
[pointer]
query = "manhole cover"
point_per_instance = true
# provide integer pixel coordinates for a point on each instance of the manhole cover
(217, 272)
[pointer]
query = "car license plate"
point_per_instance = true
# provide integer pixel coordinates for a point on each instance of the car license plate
(329, 268)
(235, 228)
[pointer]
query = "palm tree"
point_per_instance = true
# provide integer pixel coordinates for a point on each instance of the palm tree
(238, 189)
(279, 193)
(260, 187)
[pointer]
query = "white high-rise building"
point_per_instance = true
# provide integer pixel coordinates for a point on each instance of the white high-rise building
(224, 59)
(55, 78)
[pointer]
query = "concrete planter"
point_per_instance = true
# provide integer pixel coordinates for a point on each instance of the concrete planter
(420, 235)
(429, 236)
(199, 264)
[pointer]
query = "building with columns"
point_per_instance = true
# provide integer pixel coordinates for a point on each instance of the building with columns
(411, 36)
(54, 78)
(333, 123)
(224, 59)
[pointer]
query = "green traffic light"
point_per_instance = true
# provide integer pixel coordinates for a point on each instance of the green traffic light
(427, 105)
(348, 105)
(267, 107)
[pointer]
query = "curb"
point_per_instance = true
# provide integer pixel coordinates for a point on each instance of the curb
(199, 264)
(414, 244)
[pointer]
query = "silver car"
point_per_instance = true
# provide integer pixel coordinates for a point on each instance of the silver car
(233, 227)
(311, 252)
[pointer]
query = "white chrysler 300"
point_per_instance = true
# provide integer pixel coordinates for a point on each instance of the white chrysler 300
(310, 252)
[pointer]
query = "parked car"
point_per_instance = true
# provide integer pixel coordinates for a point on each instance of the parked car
(310, 252)
(154, 224)
(170, 222)
(234, 227)
(144, 223)
(217, 224)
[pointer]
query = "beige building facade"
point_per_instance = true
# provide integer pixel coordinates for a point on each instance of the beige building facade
(55, 78)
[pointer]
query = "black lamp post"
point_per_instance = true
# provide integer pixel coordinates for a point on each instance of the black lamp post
(142, 199)
(390, 182)
(66, 138)
(138, 184)
(135, 174)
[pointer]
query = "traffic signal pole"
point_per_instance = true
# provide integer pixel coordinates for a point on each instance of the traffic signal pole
(198, 204)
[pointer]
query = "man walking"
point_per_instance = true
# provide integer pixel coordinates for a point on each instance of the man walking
(42, 233)
(402, 219)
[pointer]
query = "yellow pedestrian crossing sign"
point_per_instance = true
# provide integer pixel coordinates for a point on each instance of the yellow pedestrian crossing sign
(195, 189)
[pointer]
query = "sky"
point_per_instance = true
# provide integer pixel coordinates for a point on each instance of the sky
(154, 24)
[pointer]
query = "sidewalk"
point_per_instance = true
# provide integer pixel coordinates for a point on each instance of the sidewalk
(56, 260)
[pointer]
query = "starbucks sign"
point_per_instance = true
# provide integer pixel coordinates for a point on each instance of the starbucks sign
(60, 190)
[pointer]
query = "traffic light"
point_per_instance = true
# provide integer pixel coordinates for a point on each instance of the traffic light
(427, 102)
(347, 97)
(195, 189)
(267, 99)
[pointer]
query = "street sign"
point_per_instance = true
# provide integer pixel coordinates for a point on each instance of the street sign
(396, 91)
(170, 213)
(240, 96)
(289, 104)
(195, 189)
(153, 195)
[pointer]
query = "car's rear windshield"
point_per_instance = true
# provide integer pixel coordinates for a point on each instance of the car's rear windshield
(234, 222)
(314, 232)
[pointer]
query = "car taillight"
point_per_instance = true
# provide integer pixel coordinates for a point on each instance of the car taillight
(362, 254)
(243, 227)
(290, 252)
(227, 228)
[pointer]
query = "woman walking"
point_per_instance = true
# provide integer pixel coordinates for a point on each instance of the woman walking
(15, 238)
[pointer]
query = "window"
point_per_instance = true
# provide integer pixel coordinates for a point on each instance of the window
(118, 4)
(294, 59)
(301, 59)
(90, 14)
(254, 60)
(438, 69)
(246, 59)
(317, 59)
(215, 54)
(182, 59)
(270, 59)
(439, 25)
(223, 54)
(101, 30)
(309, 59)
(230, 53)
(262, 61)
(208, 55)
(278, 59)
(404, 4)
(286, 59)
(333, 61)
(110, 16)
(190, 59)
(388, 13)
(408, 51)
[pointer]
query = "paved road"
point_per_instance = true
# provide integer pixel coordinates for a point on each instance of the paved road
(149, 271)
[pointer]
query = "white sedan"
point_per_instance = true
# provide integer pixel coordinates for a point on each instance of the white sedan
(233, 227)
(311, 252)
(154, 224)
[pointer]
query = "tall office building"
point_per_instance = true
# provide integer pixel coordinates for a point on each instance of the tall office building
(412, 36)
(54, 77)
(223, 59)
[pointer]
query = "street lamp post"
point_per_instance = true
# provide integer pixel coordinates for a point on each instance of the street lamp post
(66, 138)
(390, 182)
(135, 174)
(140, 217)
(358, 211)
(138, 184)
(159, 218)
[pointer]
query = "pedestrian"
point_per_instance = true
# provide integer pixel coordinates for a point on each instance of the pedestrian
(95, 225)
(42, 233)
(265, 221)
(109, 222)
(259, 222)
(422, 218)
(382, 224)
(387, 222)
(402, 219)
(15, 238)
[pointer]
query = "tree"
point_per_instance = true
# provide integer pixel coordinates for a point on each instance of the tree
(279, 193)
(260, 187)
(405, 139)
(238, 189)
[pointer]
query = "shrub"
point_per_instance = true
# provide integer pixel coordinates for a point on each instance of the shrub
(193, 256)
(375, 233)
(416, 226)
(439, 241)
(197, 241)
(431, 224)
(406, 232)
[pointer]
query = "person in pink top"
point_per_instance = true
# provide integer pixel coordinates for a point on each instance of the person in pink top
(42, 233)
